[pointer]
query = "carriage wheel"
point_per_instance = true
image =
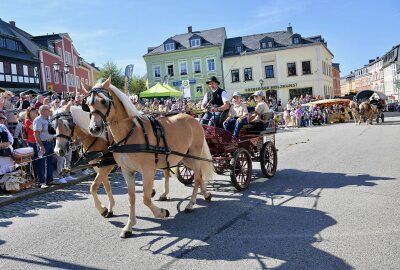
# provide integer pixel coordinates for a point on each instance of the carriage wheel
(185, 175)
(241, 169)
(268, 159)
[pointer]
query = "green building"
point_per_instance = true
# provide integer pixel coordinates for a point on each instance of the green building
(186, 61)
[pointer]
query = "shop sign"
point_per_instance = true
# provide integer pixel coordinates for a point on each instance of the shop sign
(271, 87)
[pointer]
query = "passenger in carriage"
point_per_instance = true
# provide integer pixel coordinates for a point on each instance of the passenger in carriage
(237, 115)
(261, 108)
(217, 99)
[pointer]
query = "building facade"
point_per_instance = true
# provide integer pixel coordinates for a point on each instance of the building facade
(361, 77)
(336, 79)
(283, 63)
(186, 61)
(375, 73)
(391, 72)
(19, 62)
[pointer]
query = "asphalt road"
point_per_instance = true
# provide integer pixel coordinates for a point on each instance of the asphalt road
(333, 204)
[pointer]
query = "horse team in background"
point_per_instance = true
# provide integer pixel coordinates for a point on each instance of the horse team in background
(367, 111)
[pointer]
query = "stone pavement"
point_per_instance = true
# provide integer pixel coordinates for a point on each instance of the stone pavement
(8, 198)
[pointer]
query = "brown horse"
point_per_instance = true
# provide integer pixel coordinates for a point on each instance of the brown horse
(367, 111)
(183, 135)
(355, 111)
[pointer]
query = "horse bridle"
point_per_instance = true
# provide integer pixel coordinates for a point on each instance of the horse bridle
(57, 117)
(107, 103)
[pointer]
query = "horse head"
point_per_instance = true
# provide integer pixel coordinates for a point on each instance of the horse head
(63, 126)
(98, 102)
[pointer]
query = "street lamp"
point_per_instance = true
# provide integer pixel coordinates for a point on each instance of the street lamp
(261, 81)
(62, 72)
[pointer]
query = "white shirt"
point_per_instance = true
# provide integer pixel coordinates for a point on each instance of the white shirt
(224, 96)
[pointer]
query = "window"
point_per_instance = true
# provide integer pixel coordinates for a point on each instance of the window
(195, 42)
(269, 71)
(270, 44)
(211, 64)
(197, 66)
(238, 49)
(19, 47)
(248, 74)
(263, 45)
(2, 42)
(11, 44)
(68, 59)
(199, 91)
(183, 68)
(47, 72)
(306, 67)
(169, 47)
(170, 70)
(55, 76)
(291, 69)
(157, 72)
(59, 51)
(235, 75)
(296, 40)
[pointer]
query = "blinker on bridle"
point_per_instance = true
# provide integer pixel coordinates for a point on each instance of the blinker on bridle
(107, 104)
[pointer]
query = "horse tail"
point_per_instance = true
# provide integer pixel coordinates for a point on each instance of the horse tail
(206, 167)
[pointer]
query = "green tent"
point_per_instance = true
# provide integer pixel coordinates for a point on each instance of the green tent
(160, 90)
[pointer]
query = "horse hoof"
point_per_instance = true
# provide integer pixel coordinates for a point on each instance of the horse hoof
(105, 212)
(166, 212)
(163, 198)
(208, 198)
(109, 214)
(153, 193)
(125, 234)
(188, 211)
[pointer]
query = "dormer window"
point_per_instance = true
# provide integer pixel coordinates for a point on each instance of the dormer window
(238, 49)
(296, 40)
(263, 45)
(270, 44)
(169, 47)
(195, 42)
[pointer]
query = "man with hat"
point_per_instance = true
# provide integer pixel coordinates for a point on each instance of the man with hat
(214, 102)
(237, 116)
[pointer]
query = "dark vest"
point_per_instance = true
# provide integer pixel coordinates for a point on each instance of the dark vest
(215, 98)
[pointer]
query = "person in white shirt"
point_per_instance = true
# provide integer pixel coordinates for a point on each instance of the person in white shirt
(237, 116)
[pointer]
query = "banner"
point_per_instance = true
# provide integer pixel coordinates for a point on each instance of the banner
(185, 88)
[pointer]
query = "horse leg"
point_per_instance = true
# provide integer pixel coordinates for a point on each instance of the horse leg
(148, 181)
(163, 196)
(107, 187)
(130, 182)
(93, 190)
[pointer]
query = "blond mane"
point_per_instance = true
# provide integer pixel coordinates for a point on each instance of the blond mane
(126, 102)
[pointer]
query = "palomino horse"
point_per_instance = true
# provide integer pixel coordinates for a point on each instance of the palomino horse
(355, 111)
(183, 141)
(70, 122)
(367, 111)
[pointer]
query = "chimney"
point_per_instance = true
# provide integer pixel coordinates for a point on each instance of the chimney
(12, 23)
(189, 29)
(290, 29)
(371, 60)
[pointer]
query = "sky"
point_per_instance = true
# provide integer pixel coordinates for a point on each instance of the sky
(121, 31)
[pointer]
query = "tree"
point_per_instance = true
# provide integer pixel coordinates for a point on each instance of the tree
(117, 76)
(138, 85)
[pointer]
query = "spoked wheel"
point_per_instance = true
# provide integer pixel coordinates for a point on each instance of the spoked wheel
(268, 159)
(241, 169)
(185, 175)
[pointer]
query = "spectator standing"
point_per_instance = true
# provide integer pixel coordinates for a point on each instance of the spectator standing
(39, 101)
(23, 102)
(45, 145)
(31, 114)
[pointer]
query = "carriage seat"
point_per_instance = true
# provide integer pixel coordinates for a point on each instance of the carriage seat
(260, 126)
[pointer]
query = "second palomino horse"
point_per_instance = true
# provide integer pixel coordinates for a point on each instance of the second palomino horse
(139, 148)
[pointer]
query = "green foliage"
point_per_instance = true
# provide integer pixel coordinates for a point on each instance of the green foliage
(117, 76)
(138, 85)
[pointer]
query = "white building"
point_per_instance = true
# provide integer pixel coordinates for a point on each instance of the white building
(390, 72)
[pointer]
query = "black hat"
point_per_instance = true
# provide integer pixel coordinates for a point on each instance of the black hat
(212, 79)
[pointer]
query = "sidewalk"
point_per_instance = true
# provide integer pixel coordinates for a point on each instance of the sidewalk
(8, 198)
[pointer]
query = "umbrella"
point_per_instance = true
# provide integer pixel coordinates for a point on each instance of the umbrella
(160, 90)
(366, 94)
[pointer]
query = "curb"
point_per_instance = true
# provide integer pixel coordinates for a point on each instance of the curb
(29, 193)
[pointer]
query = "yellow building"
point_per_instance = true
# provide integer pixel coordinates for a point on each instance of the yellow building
(284, 64)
